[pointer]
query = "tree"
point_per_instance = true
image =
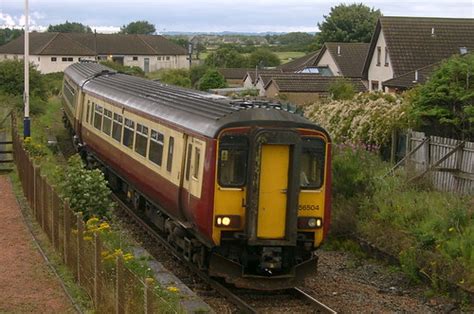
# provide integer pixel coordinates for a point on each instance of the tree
(226, 58)
(348, 23)
(70, 27)
(444, 105)
(196, 72)
(212, 79)
(138, 27)
(7, 35)
(263, 58)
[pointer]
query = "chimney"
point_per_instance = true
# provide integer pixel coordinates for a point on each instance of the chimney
(338, 50)
(432, 32)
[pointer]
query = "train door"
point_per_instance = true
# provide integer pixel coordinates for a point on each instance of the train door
(193, 173)
(272, 202)
(272, 206)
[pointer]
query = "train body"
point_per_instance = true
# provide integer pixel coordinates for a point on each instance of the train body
(242, 189)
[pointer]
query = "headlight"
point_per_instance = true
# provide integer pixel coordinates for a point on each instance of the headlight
(309, 222)
(229, 221)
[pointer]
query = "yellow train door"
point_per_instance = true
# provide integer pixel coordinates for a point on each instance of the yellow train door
(272, 206)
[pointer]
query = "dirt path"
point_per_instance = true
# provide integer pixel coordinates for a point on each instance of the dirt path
(26, 282)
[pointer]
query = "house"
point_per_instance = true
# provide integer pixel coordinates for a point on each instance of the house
(401, 45)
(410, 79)
(333, 59)
(53, 52)
(265, 77)
(307, 89)
(234, 76)
(251, 77)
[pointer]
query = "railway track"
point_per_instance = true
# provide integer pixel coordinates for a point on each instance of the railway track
(246, 301)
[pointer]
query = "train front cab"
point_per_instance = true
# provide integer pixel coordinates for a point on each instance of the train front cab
(271, 205)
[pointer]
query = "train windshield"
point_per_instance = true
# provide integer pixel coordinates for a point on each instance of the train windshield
(312, 163)
(233, 155)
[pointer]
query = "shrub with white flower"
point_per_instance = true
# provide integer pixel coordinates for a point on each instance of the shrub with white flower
(367, 118)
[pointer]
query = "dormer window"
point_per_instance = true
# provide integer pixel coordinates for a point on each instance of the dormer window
(379, 57)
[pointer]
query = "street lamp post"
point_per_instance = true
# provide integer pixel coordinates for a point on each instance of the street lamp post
(26, 61)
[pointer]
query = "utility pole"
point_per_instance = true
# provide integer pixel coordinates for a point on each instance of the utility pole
(26, 61)
(190, 53)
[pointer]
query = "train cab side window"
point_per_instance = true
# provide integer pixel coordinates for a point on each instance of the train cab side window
(197, 160)
(169, 159)
(128, 133)
(312, 163)
(233, 156)
(156, 147)
(141, 139)
(98, 117)
(107, 123)
(117, 127)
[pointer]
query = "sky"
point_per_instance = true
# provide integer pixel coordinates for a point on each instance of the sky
(211, 15)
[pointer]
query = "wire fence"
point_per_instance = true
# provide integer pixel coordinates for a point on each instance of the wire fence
(111, 286)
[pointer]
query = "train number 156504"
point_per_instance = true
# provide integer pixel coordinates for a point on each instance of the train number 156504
(308, 207)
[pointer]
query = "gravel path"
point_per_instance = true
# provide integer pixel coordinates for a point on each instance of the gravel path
(26, 282)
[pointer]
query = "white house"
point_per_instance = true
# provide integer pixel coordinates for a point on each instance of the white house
(53, 52)
(404, 44)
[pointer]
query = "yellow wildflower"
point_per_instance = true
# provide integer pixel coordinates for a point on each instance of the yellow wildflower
(103, 226)
(173, 289)
(118, 252)
(87, 238)
(128, 256)
(104, 253)
(451, 229)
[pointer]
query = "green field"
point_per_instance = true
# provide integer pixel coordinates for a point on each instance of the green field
(285, 56)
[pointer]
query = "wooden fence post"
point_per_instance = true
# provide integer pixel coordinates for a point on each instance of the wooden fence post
(148, 295)
(44, 199)
(67, 229)
(97, 268)
(80, 244)
(35, 190)
(119, 289)
(427, 154)
(54, 218)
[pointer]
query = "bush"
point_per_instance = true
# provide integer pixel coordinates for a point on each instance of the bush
(86, 190)
(12, 80)
(211, 79)
(341, 90)
(178, 77)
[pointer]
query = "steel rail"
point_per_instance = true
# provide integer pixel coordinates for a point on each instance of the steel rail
(321, 307)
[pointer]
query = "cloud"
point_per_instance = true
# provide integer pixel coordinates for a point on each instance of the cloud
(6, 20)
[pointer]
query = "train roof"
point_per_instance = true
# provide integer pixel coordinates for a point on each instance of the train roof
(199, 112)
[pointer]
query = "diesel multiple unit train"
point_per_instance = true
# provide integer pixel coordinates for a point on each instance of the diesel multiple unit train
(240, 188)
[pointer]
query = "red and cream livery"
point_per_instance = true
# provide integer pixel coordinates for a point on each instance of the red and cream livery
(241, 188)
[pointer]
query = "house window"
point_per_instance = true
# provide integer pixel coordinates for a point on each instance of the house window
(107, 123)
(53, 59)
(197, 160)
(379, 55)
(98, 117)
(141, 139)
(117, 127)
(169, 161)
(167, 58)
(67, 59)
(156, 147)
(128, 133)
(135, 58)
(158, 58)
(386, 57)
(79, 59)
(39, 58)
(375, 85)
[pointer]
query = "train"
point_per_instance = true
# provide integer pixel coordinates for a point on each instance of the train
(240, 188)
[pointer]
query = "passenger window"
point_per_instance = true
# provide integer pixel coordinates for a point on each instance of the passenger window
(98, 117)
(188, 161)
(156, 147)
(107, 123)
(312, 163)
(141, 139)
(169, 161)
(197, 157)
(128, 133)
(117, 127)
(233, 155)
